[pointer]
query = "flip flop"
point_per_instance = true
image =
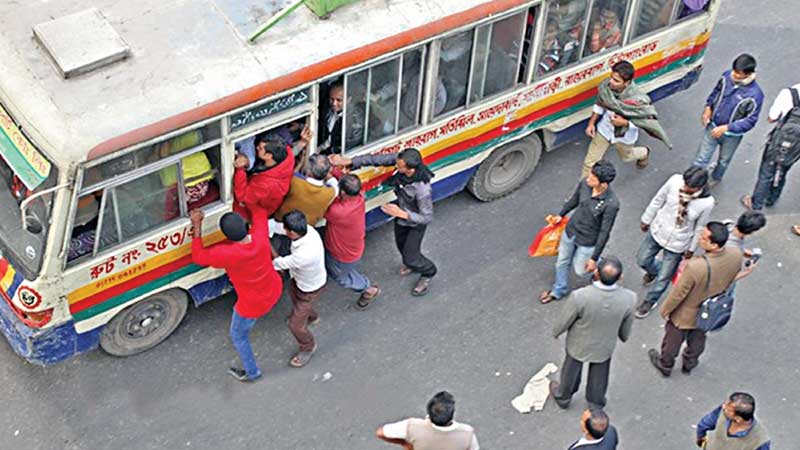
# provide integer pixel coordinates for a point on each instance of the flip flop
(547, 297)
(747, 202)
(421, 288)
(365, 299)
(796, 229)
(302, 358)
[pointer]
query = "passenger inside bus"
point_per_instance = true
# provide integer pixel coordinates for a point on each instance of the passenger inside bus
(606, 30)
(200, 189)
(570, 15)
(330, 122)
(551, 49)
(454, 65)
(296, 135)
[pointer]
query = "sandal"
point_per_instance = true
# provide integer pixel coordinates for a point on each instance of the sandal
(366, 298)
(546, 297)
(421, 288)
(747, 202)
(302, 358)
(642, 163)
(796, 229)
(404, 270)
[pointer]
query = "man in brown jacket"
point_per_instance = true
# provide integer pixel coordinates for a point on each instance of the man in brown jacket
(684, 300)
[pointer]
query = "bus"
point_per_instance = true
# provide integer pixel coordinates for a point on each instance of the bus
(105, 150)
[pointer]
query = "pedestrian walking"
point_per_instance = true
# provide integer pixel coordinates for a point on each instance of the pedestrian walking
(594, 317)
(258, 287)
(733, 426)
(704, 276)
(731, 110)
(598, 433)
(344, 240)
(747, 224)
(622, 110)
(673, 222)
(413, 209)
(781, 150)
(587, 231)
(437, 431)
(306, 265)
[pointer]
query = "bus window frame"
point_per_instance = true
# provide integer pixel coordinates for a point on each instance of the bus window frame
(673, 21)
(536, 41)
(580, 60)
(627, 17)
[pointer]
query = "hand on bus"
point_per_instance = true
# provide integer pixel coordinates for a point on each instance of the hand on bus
(706, 117)
(305, 135)
(339, 160)
(241, 161)
(591, 130)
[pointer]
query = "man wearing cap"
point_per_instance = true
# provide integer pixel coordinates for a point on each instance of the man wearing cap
(258, 286)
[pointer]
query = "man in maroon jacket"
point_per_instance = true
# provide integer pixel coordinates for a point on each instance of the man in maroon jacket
(245, 258)
(344, 240)
(270, 177)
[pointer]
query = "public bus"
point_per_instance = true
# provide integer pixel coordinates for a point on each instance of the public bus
(106, 149)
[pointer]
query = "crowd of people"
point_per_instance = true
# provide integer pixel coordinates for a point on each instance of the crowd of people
(313, 226)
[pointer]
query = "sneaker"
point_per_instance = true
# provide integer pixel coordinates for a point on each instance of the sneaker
(654, 360)
(241, 375)
(648, 279)
(644, 309)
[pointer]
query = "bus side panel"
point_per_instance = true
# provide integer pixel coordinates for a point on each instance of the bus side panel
(209, 290)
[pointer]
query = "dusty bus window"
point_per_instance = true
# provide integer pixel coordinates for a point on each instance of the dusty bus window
(502, 59)
(411, 91)
(355, 109)
(454, 65)
(653, 15)
(382, 109)
(566, 20)
(605, 26)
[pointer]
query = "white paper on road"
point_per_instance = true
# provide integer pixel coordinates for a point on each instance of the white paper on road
(536, 391)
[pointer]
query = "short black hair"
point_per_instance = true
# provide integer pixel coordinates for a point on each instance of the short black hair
(441, 408)
(318, 167)
(610, 269)
(750, 222)
(296, 221)
(695, 177)
(745, 63)
(625, 70)
(719, 233)
(350, 185)
(604, 171)
(744, 405)
(275, 146)
(597, 423)
(412, 157)
(233, 226)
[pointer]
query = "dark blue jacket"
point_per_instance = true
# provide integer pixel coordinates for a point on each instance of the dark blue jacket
(735, 106)
(609, 442)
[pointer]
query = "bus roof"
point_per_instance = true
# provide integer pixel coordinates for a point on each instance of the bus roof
(190, 60)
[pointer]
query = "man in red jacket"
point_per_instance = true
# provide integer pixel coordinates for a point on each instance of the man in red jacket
(269, 179)
(245, 259)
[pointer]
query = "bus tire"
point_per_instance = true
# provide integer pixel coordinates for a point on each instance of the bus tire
(506, 169)
(144, 324)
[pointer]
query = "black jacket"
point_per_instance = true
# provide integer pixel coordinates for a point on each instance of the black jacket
(593, 219)
(609, 442)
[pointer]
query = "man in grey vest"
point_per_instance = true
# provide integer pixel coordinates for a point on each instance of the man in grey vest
(733, 426)
(594, 317)
(438, 431)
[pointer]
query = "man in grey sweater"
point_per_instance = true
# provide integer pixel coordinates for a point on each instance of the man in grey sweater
(594, 317)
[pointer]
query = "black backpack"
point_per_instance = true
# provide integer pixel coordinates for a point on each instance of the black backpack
(783, 146)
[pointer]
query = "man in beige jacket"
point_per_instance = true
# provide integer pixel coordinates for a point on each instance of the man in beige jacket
(684, 300)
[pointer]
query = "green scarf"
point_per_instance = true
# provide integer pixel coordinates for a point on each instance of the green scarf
(635, 106)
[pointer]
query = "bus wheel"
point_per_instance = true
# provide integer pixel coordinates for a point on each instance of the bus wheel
(506, 169)
(145, 324)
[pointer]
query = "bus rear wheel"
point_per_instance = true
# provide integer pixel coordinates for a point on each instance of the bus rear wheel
(145, 324)
(506, 169)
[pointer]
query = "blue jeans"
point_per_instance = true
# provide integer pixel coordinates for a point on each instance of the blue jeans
(569, 253)
(767, 191)
(708, 146)
(346, 274)
(240, 334)
(663, 270)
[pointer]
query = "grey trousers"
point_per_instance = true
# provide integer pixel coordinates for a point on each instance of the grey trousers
(596, 384)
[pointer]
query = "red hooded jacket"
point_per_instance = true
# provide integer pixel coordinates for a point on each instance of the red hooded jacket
(265, 189)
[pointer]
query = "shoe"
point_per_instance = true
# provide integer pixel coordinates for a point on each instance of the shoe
(553, 386)
(642, 163)
(654, 360)
(648, 279)
(241, 375)
(644, 309)
(685, 370)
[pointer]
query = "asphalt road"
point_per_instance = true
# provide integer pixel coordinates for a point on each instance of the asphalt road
(478, 334)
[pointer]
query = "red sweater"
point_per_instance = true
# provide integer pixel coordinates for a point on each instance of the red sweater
(249, 267)
(346, 229)
(265, 189)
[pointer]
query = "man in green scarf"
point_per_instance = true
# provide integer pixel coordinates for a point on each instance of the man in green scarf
(622, 109)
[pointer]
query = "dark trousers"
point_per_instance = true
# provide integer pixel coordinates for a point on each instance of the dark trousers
(674, 338)
(767, 191)
(409, 243)
(302, 312)
(596, 384)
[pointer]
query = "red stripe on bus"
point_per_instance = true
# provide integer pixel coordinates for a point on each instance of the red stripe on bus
(3, 267)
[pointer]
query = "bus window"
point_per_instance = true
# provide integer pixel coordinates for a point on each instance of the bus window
(653, 15)
(691, 7)
(294, 134)
(499, 68)
(530, 27)
(355, 109)
(382, 109)
(454, 69)
(566, 20)
(411, 93)
(605, 26)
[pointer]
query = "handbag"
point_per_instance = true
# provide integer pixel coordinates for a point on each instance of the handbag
(715, 311)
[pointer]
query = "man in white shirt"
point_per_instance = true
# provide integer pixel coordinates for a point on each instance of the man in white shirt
(306, 265)
(613, 129)
(438, 431)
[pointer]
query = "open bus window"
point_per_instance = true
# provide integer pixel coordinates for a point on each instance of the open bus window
(332, 109)
(497, 51)
(689, 8)
(566, 20)
(295, 135)
(527, 43)
(653, 15)
(605, 26)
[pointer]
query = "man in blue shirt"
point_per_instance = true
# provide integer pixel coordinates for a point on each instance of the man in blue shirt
(733, 425)
(731, 110)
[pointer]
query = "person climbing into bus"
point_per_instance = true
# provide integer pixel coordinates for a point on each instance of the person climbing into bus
(413, 209)
(311, 193)
(270, 177)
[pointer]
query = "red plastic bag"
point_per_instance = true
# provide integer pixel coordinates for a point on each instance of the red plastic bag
(548, 238)
(679, 271)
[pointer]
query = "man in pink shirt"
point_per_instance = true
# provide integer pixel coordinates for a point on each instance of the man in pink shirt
(344, 240)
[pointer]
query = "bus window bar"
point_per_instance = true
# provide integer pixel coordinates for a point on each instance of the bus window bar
(368, 93)
(399, 93)
(584, 38)
(117, 218)
(99, 230)
(182, 190)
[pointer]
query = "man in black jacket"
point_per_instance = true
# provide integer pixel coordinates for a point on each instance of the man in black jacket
(587, 232)
(598, 433)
